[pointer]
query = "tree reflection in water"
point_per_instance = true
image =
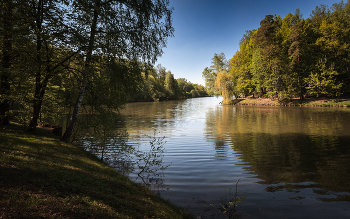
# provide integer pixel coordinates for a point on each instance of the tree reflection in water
(110, 143)
(289, 151)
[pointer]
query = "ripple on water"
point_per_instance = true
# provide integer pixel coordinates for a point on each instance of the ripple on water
(291, 162)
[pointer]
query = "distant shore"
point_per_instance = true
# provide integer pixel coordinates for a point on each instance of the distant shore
(307, 102)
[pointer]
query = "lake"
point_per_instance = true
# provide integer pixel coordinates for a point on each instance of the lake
(291, 162)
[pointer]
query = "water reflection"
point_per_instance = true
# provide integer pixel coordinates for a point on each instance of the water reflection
(287, 158)
(288, 146)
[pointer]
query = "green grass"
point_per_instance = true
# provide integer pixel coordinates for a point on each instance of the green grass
(42, 177)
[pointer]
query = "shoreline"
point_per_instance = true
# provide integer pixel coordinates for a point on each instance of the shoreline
(42, 177)
(309, 102)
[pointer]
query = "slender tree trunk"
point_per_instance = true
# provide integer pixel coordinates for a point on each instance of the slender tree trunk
(39, 88)
(6, 62)
(37, 103)
(36, 111)
(37, 100)
(69, 131)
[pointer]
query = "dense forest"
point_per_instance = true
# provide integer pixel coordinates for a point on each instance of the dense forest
(288, 57)
(71, 57)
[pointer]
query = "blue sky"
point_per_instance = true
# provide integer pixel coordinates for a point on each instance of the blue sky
(205, 27)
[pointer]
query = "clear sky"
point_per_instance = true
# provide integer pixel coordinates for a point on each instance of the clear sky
(205, 27)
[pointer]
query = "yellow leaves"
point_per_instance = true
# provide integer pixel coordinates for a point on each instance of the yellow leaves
(322, 81)
(224, 84)
(331, 35)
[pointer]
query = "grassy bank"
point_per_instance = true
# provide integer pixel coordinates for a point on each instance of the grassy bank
(42, 177)
(313, 102)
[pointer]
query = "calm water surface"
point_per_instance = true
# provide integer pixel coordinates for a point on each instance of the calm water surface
(292, 162)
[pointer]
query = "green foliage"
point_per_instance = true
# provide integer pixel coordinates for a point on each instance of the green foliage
(43, 43)
(184, 87)
(113, 83)
(322, 82)
(157, 87)
(241, 65)
(284, 98)
(282, 58)
(171, 86)
(259, 72)
(150, 163)
(219, 64)
(52, 105)
(199, 91)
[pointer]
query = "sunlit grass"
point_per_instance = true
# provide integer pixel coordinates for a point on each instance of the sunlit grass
(44, 177)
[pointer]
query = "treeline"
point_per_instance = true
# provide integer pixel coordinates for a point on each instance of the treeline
(67, 57)
(289, 57)
(159, 84)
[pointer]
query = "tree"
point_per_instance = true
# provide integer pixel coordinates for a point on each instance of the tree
(219, 63)
(224, 84)
(333, 30)
(7, 27)
(130, 29)
(259, 72)
(209, 77)
(171, 85)
(265, 39)
(288, 83)
(183, 86)
(45, 56)
(322, 81)
(240, 65)
(300, 64)
(292, 56)
(271, 57)
(265, 36)
(13, 47)
(161, 72)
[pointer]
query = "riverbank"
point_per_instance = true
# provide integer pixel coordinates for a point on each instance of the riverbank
(310, 102)
(42, 177)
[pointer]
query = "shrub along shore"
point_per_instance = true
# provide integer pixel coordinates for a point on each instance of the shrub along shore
(42, 177)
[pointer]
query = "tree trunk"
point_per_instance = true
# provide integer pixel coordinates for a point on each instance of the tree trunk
(39, 88)
(37, 102)
(36, 110)
(69, 131)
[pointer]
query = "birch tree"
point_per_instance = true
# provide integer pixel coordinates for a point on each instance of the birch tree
(132, 29)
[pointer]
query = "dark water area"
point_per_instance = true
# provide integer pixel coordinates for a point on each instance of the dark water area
(291, 162)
